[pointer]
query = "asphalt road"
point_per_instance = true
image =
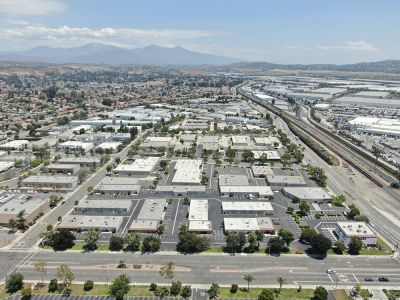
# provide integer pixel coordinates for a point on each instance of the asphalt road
(200, 270)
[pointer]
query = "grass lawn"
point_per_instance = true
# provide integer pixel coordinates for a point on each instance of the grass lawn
(99, 289)
(254, 292)
(214, 249)
(340, 295)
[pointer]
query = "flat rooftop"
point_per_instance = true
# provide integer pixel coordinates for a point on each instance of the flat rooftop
(120, 180)
(181, 188)
(100, 204)
(282, 179)
(228, 179)
(188, 171)
(15, 205)
(144, 225)
(83, 221)
(50, 179)
(198, 225)
(247, 206)
(257, 189)
(198, 210)
(307, 193)
(241, 224)
(360, 229)
(152, 209)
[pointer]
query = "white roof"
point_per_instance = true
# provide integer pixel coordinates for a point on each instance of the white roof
(360, 229)
(144, 225)
(307, 193)
(187, 171)
(5, 165)
(229, 179)
(152, 209)
(158, 139)
(139, 165)
(109, 145)
(117, 204)
(380, 125)
(241, 224)
(198, 210)
(77, 144)
(199, 225)
(15, 144)
(246, 206)
(240, 139)
(272, 155)
(84, 221)
(262, 190)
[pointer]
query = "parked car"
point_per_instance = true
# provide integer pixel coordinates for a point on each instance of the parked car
(368, 279)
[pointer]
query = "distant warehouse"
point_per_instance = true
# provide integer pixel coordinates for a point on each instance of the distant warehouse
(141, 166)
(312, 194)
(84, 222)
(49, 181)
(376, 126)
(198, 216)
(104, 206)
(367, 102)
(32, 208)
(256, 208)
(247, 225)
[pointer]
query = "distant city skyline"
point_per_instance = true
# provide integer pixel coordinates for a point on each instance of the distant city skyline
(286, 31)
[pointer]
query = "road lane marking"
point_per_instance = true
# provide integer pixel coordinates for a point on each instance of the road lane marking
(356, 278)
(176, 215)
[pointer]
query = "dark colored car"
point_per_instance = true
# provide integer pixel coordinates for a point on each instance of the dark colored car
(368, 279)
(384, 279)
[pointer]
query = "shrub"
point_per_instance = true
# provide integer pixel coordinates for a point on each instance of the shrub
(53, 286)
(89, 284)
(26, 294)
(234, 288)
(153, 287)
(14, 282)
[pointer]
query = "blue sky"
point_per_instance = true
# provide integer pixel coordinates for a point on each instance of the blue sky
(284, 31)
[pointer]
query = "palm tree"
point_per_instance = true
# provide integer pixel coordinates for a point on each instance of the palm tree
(249, 278)
(281, 282)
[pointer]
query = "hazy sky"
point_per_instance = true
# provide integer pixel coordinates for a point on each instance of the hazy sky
(283, 31)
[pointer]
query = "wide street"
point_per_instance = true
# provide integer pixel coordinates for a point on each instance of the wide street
(203, 269)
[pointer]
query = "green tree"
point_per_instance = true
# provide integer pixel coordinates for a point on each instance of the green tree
(276, 245)
(176, 287)
(320, 244)
(21, 219)
(12, 224)
(340, 247)
(40, 266)
(253, 242)
(62, 239)
(286, 235)
(286, 160)
(304, 208)
(91, 239)
(307, 234)
(14, 282)
(132, 241)
(248, 278)
(120, 287)
(65, 275)
(186, 291)
(213, 291)
(376, 151)
(88, 285)
(355, 245)
(338, 200)
(151, 243)
(320, 293)
(26, 294)
(116, 243)
(167, 270)
(53, 286)
(266, 294)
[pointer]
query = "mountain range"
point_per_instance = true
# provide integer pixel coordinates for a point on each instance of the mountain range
(177, 56)
(111, 55)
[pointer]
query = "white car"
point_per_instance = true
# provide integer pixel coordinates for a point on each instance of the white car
(331, 271)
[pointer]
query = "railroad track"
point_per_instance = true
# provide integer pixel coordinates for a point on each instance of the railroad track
(360, 163)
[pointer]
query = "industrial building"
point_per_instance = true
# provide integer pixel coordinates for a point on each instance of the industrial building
(265, 140)
(156, 142)
(313, 194)
(84, 222)
(232, 180)
(255, 208)
(76, 146)
(90, 162)
(6, 165)
(15, 145)
(258, 190)
(261, 171)
(376, 126)
(153, 209)
(63, 168)
(348, 229)
(247, 225)
(367, 102)
(240, 140)
(181, 190)
(145, 226)
(271, 155)
(11, 205)
(112, 147)
(195, 124)
(209, 142)
(141, 166)
(104, 206)
(283, 180)
(198, 216)
(187, 171)
(50, 181)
